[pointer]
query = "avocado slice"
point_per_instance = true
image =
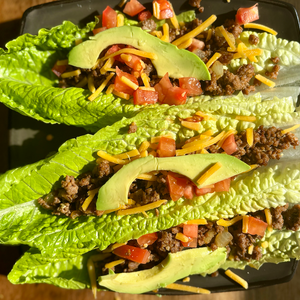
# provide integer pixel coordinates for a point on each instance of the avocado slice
(175, 266)
(114, 192)
(177, 62)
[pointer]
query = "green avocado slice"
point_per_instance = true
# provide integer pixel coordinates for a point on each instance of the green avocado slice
(114, 192)
(175, 266)
(176, 62)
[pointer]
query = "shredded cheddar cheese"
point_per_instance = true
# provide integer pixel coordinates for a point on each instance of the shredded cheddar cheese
(144, 146)
(209, 173)
(252, 167)
(264, 244)
(71, 74)
(165, 37)
(101, 87)
(209, 34)
(265, 80)
(91, 85)
(227, 223)
(225, 136)
(191, 125)
(197, 221)
(110, 158)
(157, 33)
(120, 20)
(290, 129)
(245, 224)
(110, 89)
(185, 44)
(249, 136)
(186, 279)
(214, 58)
(144, 88)
(147, 176)
(205, 116)
(173, 19)
(82, 83)
(261, 27)
(113, 210)
(181, 237)
(237, 279)
(129, 83)
(156, 10)
(114, 263)
(250, 249)
(204, 151)
(89, 199)
(149, 55)
(140, 209)
(145, 79)
(63, 62)
(121, 95)
(128, 154)
(187, 288)
(156, 139)
(196, 31)
(144, 153)
(246, 118)
(227, 38)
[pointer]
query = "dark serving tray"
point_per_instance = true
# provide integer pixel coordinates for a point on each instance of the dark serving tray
(32, 140)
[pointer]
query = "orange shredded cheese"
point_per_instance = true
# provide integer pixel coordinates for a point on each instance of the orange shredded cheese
(246, 118)
(250, 249)
(82, 83)
(209, 34)
(265, 80)
(144, 146)
(110, 89)
(191, 125)
(165, 37)
(181, 237)
(128, 154)
(144, 153)
(113, 210)
(91, 85)
(157, 33)
(261, 27)
(197, 221)
(196, 31)
(155, 139)
(147, 176)
(264, 244)
(129, 83)
(227, 38)
(174, 20)
(225, 136)
(110, 158)
(185, 44)
(249, 136)
(245, 224)
(114, 263)
(204, 151)
(146, 80)
(252, 167)
(101, 87)
(209, 173)
(130, 51)
(121, 95)
(144, 88)
(62, 62)
(268, 216)
(204, 116)
(156, 10)
(187, 288)
(227, 223)
(214, 58)
(186, 279)
(88, 200)
(290, 129)
(140, 209)
(71, 74)
(237, 279)
(120, 20)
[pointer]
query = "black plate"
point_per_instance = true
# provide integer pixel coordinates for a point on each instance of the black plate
(32, 144)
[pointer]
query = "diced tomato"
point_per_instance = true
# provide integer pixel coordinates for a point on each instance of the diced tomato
(196, 44)
(203, 191)
(175, 96)
(192, 85)
(189, 191)
(58, 70)
(109, 18)
(135, 63)
(176, 185)
(256, 226)
(133, 253)
(141, 97)
(148, 239)
(222, 186)
(133, 7)
(119, 86)
(190, 244)
(97, 30)
(165, 7)
(166, 147)
(247, 15)
(190, 230)
(229, 145)
(114, 49)
(166, 14)
(144, 15)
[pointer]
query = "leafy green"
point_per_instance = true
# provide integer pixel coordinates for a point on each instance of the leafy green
(23, 221)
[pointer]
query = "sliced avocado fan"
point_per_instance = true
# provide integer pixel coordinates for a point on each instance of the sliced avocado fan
(191, 166)
(169, 59)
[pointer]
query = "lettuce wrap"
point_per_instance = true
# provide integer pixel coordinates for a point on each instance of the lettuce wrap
(28, 85)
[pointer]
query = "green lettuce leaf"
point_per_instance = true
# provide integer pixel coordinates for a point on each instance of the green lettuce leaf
(23, 221)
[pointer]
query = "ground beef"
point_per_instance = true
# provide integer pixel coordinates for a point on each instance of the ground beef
(167, 243)
(103, 169)
(226, 57)
(149, 25)
(275, 60)
(201, 9)
(292, 218)
(277, 218)
(268, 143)
(195, 3)
(232, 27)
(69, 189)
(132, 128)
(274, 73)
(253, 39)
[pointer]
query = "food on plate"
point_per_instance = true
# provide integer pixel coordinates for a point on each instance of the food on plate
(66, 79)
(250, 193)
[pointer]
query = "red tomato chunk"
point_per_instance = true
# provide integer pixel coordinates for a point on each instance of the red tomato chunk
(133, 253)
(166, 147)
(165, 7)
(144, 15)
(229, 145)
(148, 239)
(109, 18)
(190, 230)
(58, 70)
(119, 86)
(176, 185)
(203, 191)
(133, 7)
(247, 15)
(192, 85)
(222, 186)
(192, 243)
(256, 226)
(141, 97)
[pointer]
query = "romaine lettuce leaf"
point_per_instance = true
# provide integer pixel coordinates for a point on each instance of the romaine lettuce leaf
(22, 221)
